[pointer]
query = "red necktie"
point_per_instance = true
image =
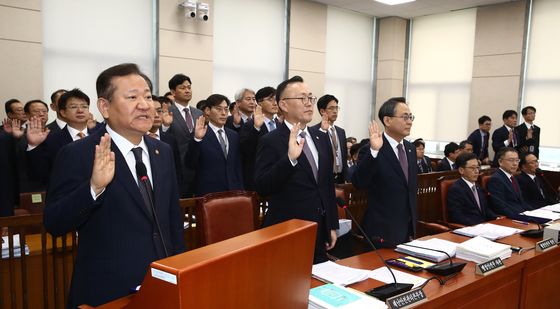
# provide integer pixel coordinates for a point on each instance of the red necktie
(514, 184)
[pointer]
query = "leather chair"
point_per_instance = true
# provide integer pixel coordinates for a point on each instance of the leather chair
(339, 192)
(484, 182)
(444, 188)
(224, 215)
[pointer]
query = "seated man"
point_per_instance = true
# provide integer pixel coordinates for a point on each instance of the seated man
(451, 152)
(466, 201)
(422, 161)
(532, 185)
(505, 194)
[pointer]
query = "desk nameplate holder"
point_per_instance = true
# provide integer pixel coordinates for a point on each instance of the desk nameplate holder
(406, 300)
(489, 267)
(545, 245)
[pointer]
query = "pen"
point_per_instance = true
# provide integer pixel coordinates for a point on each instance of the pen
(410, 260)
(520, 222)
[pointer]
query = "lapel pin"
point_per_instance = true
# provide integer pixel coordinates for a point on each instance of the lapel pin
(317, 137)
(157, 151)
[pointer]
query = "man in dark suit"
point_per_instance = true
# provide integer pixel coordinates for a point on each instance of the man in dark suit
(294, 168)
(8, 182)
(451, 152)
(42, 146)
(466, 201)
(264, 120)
(214, 151)
(243, 109)
(505, 136)
(387, 168)
(532, 184)
(59, 122)
(184, 117)
(505, 192)
(103, 191)
(328, 105)
(528, 133)
(14, 111)
(422, 161)
(479, 139)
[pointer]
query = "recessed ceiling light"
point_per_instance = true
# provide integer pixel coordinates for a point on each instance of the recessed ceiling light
(394, 2)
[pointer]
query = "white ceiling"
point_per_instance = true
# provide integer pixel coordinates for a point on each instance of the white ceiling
(408, 10)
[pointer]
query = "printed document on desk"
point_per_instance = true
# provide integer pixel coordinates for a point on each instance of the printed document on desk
(331, 272)
(433, 243)
(335, 296)
(480, 250)
(542, 213)
(553, 207)
(487, 230)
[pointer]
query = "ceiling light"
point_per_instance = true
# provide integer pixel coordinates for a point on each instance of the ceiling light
(394, 2)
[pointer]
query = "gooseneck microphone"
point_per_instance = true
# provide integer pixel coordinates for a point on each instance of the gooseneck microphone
(550, 187)
(145, 180)
(385, 291)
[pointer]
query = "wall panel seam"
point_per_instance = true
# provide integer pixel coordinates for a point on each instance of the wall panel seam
(306, 71)
(187, 32)
(309, 50)
(496, 76)
(500, 54)
(185, 58)
(21, 41)
(20, 8)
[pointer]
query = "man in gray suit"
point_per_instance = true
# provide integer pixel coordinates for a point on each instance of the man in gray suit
(182, 128)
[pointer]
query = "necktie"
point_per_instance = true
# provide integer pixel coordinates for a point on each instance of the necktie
(334, 144)
(514, 184)
(537, 182)
(477, 199)
(271, 126)
(481, 154)
(403, 161)
(513, 138)
(309, 156)
(81, 135)
(453, 166)
(140, 170)
(222, 142)
(188, 119)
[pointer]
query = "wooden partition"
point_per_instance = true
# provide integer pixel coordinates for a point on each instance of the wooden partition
(268, 268)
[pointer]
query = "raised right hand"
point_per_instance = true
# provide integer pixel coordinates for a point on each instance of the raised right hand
(258, 117)
(36, 132)
(103, 165)
(236, 114)
(375, 136)
(295, 149)
(200, 128)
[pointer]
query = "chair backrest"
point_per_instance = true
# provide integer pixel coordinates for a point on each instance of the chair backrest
(444, 188)
(339, 192)
(484, 182)
(188, 206)
(223, 215)
(33, 202)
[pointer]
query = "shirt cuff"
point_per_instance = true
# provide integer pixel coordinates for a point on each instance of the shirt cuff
(506, 143)
(164, 128)
(29, 147)
(93, 193)
(374, 153)
(294, 163)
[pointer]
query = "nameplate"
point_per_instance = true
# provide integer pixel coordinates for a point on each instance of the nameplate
(545, 245)
(36, 198)
(163, 275)
(489, 267)
(407, 300)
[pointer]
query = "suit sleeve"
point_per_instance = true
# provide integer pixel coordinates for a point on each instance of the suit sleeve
(497, 192)
(176, 218)
(456, 207)
(272, 167)
(365, 168)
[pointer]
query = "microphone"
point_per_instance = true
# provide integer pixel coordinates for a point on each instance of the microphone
(438, 269)
(532, 233)
(385, 291)
(549, 185)
(142, 174)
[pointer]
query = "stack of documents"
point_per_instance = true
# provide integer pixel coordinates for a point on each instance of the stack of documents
(542, 213)
(487, 230)
(17, 247)
(480, 250)
(334, 296)
(434, 243)
(345, 225)
(334, 273)
(553, 207)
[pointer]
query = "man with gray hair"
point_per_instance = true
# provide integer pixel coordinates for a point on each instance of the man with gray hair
(243, 110)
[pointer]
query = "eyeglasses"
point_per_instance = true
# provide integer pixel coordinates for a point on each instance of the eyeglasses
(473, 168)
(405, 117)
(304, 100)
(512, 160)
(220, 109)
(334, 108)
(73, 107)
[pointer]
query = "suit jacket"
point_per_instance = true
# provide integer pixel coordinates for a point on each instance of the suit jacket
(391, 210)
(183, 137)
(462, 207)
(214, 172)
(9, 194)
(53, 126)
(531, 192)
(292, 191)
(341, 134)
(248, 141)
(528, 144)
(503, 198)
(118, 238)
(499, 136)
(170, 140)
(444, 165)
(229, 124)
(425, 165)
(480, 149)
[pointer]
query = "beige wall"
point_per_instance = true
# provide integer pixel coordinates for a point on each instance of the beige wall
(497, 63)
(308, 34)
(185, 46)
(391, 46)
(21, 50)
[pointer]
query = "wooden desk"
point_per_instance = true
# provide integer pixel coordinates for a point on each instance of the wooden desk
(528, 281)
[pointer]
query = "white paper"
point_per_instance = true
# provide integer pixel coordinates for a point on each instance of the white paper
(480, 249)
(487, 230)
(554, 207)
(433, 243)
(338, 274)
(382, 274)
(543, 213)
(345, 225)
